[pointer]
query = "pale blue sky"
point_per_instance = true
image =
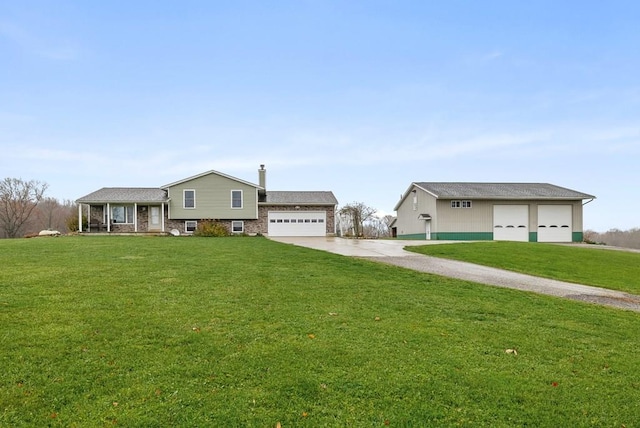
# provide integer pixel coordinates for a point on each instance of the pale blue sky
(357, 97)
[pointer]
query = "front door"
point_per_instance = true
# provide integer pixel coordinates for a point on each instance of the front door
(154, 218)
(428, 230)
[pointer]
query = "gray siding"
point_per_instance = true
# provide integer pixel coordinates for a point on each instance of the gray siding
(479, 218)
(408, 222)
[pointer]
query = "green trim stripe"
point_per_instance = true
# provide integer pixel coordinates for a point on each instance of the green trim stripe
(476, 236)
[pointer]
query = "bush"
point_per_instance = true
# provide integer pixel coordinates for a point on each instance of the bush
(72, 223)
(211, 228)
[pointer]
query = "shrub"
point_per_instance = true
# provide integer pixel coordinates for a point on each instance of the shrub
(72, 223)
(211, 228)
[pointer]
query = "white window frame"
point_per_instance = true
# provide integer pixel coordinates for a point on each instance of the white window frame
(233, 226)
(184, 199)
(125, 207)
(241, 200)
(466, 204)
(455, 204)
(186, 226)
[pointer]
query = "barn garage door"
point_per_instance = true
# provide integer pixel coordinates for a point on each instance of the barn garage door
(511, 223)
(554, 223)
(294, 223)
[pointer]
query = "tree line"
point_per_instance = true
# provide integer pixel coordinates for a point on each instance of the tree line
(25, 210)
(614, 237)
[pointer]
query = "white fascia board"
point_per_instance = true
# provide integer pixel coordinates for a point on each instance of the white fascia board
(409, 190)
(221, 174)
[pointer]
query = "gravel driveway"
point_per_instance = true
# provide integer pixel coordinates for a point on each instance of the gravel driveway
(392, 252)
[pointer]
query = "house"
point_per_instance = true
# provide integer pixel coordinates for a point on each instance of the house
(534, 212)
(243, 207)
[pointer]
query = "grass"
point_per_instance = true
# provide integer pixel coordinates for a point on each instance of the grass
(616, 270)
(103, 331)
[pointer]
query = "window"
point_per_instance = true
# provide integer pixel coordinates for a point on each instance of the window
(236, 199)
(190, 226)
(122, 214)
(460, 204)
(237, 226)
(189, 198)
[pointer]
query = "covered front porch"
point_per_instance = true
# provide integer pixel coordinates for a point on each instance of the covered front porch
(133, 218)
(124, 210)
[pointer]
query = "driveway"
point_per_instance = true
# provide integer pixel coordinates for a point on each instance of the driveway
(392, 252)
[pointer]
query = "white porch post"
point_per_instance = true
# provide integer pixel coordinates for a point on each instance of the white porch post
(135, 216)
(108, 217)
(80, 218)
(162, 216)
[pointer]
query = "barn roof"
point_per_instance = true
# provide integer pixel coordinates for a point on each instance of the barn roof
(500, 191)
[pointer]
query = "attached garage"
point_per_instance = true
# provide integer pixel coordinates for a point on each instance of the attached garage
(554, 223)
(511, 223)
(297, 223)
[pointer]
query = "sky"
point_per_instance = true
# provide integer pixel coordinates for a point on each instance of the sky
(358, 97)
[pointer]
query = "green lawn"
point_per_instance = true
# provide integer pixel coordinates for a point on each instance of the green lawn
(616, 270)
(132, 331)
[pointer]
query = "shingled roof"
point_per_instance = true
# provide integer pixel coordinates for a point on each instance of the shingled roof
(125, 195)
(300, 198)
(501, 191)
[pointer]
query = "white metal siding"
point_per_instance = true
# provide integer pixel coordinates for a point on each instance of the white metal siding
(554, 223)
(511, 223)
(297, 223)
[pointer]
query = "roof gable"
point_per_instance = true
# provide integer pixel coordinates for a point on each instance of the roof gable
(167, 186)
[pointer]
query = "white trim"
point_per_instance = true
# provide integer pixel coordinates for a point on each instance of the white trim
(184, 199)
(241, 224)
(190, 221)
(80, 218)
(166, 186)
(162, 216)
(241, 199)
(108, 217)
(135, 216)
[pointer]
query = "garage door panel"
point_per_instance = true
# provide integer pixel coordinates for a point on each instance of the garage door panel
(297, 223)
(511, 223)
(555, 223)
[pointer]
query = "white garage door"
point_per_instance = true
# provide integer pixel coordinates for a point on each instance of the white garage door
(554, 223)
(294, 223)
(511, 223)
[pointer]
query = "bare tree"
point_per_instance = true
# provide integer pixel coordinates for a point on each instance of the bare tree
(357, 214)
(615, 237)
(18, 199)
(52, 214)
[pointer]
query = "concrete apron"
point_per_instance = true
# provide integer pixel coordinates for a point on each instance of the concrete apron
(357, 247)
(392, 252)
